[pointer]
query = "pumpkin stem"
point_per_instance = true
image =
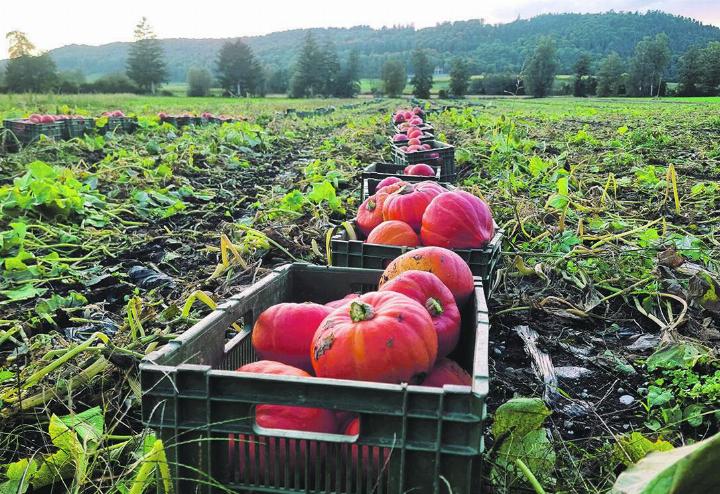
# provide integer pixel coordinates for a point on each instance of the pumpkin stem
(434, 306)
(405, 189)
(371, 205)
(360, 311)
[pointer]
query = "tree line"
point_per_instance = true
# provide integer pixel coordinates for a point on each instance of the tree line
(319, 71)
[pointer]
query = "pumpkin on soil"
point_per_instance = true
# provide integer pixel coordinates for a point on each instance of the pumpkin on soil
(381, 336)
(457, 220)
(443, 263)
(284, 332)
(370, 212)
(409, 202)
(394, 233)
(339, 303)
(447, 371)
(427, 289)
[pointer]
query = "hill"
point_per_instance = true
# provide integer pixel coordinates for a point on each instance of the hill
(490, 48)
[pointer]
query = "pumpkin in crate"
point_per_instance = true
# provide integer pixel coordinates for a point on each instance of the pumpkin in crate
(370, 212)
(387, 181)
(380, 336)
(364, 456)
(420, 169)
(452, 270)
(408, 203)
(457, 220)
(285, 331)
(334, 304)
(447, 371)
(394, 233)
(427, 289)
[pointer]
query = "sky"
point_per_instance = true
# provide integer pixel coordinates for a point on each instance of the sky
(53, 23)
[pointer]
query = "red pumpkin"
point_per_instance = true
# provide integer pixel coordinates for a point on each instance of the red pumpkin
(409, 202)
(370, 212)
(457, 220)
(421, 169)
(382, 337)
(286, 416)
(447, 371)
(379, 455)
(387, 181)
(443, 263)
(427, 289)
(284, 332)
(339, 303)
(390, 188)
(394, 233)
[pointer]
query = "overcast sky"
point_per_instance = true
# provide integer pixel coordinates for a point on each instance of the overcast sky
(54, 23)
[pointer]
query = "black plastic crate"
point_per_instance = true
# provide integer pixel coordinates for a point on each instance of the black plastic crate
(430, 439)
(358, 254)
(445, 158)
(375, 172)
(28, 132)
(119, 124)
(77, 127)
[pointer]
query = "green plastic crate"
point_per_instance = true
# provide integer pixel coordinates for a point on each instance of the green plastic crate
(375, 172)
(27, 132)
(445, 158)
(412, 438)
(120, 124)
(77, 127)
(359, 254)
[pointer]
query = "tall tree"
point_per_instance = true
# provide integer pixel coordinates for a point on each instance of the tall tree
(582, 69)
(459, 77)
(146, 59)
(690, 72)
(19, 45)
(610, 75)
(238, 71)
(539, 73)
(199, 82)
(652, 58)
(277, 81)
(306, 80)
(711, 67)
(329, 73)
(422, 80)
(28, 73)
(349, 81)
(394, 77)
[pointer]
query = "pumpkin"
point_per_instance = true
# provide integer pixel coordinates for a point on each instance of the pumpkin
(457, 220)
(447, 371)
(443, 263)
(379, 455)
(370, 212)
(391, 187)
(409, 202)
(421, 169)
(285, 331)
(339, 303)
(394, 233)
(387, 181)
(427, 289)
(381, 336)
(286, 416)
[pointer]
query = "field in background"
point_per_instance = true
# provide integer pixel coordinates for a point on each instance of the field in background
(595, 222)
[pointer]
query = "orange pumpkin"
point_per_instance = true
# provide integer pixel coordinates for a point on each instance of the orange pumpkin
(443, 263)
(427, 289)
(447, 371)
(370, 212)
(394, 233)
(457, 220)
(381, 336)
(409, 202)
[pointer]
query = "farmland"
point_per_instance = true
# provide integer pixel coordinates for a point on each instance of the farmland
(112, 245)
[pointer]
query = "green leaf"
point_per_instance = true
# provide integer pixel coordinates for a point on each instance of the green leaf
(658, 396)
(19, 474)
(5, 375)
(88, 425)
(633, 448)
(25, 292)
(520, 416)
(683, 354)
(557, 201)
(690, 469)
(694, 414)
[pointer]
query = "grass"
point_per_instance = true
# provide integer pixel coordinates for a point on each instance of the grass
(113, 245)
